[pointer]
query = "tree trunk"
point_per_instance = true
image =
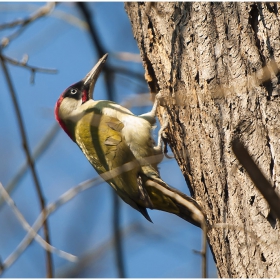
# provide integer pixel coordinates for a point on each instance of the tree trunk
(215, 65)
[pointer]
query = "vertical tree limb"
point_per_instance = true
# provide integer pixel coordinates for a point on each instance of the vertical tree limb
(109, 89)
(119, 255)
(26, 149)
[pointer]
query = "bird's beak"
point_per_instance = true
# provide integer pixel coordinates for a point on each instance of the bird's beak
(91, 78)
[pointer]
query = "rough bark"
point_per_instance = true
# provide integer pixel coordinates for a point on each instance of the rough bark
(209, 60)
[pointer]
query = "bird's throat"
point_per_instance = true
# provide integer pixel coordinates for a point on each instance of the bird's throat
(59, 120)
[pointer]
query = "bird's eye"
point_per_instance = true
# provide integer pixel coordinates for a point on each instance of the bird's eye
(73, 91)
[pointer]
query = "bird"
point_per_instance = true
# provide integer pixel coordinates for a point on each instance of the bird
(120, 147)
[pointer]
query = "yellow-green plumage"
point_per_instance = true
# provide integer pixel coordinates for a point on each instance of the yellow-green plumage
(120, 147)
(103, 142)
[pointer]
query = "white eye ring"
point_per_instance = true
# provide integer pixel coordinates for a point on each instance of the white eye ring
(73, 91)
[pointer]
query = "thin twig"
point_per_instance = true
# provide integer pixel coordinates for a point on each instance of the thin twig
(127, 72)
(27, 227)
(41, 218)
(127, 56)
(38, 151)
(252, 234)
(24, 64)
(92, 30)
(70, 19)
(266, 73)
(137, 100)
(204, 251)
(257, 176)
(125, 81)
(42, 11)
(73, 270)
(29, 67)
(67, 196)
(117, 235)
(39, 13)
(99, 47)
(30, 161)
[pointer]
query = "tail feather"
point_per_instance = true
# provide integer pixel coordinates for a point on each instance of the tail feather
(185, 207)
(144, 212)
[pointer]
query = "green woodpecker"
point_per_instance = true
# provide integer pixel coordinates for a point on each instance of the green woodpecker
(120, 147)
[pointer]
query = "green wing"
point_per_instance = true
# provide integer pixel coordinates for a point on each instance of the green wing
(101, 140)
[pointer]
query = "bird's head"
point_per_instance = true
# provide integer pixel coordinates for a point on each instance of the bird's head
(69, 102)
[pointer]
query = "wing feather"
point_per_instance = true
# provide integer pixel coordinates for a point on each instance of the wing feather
(110, 150)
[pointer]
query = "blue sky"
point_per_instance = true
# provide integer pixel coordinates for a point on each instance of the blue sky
(83, 226)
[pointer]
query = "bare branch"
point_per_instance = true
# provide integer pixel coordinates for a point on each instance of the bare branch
(127, 72)
(252, 234)
(42, 11)
(266, 73)
(43, 215)
(67, 196)
(38, 151)
(70, 19)
(127, 56)
(90, 257)
(27, 227)
(92, 30)
(204, 251)
(71, 270)
(137, 100)
(24, 64)
(29, 159)
(117, 235)
(29, 67)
